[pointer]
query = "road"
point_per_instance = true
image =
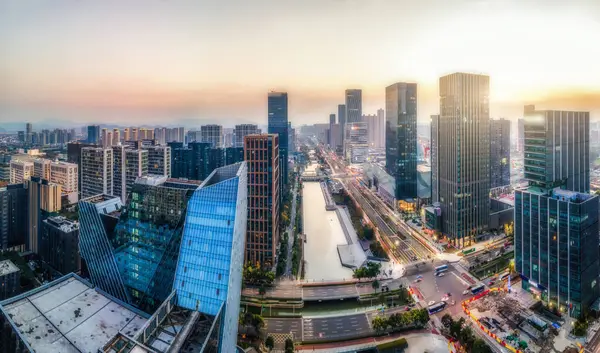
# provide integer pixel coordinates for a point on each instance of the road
(321, 328)
(291, 233)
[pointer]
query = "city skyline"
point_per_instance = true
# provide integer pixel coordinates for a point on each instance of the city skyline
(105, 62)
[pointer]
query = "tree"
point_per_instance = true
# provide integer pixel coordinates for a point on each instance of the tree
(456, 328)
(375, 285)
(467, 338)
(380, 324)
(479, 346)
(270, 343)
(447, 320)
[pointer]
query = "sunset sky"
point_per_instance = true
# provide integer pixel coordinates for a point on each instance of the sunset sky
(169, 62)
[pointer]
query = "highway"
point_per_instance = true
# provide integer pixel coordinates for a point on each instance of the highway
(404, 248)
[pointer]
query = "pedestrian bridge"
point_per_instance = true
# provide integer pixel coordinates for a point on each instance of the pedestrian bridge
(312, 177)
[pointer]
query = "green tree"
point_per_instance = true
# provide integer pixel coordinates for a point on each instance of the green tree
(467, 338)
(456, 328)
(375, 285)
(270, 343)
(447, 320)
(479, 346)
(380, 324)
(289, 346)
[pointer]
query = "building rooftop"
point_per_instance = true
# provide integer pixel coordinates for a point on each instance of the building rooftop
(69, 315)
(7, 267)
(105, 204)
(62, 223)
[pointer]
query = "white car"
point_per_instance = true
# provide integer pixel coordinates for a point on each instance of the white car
(466, 292)
(441, 274)
(431, 303)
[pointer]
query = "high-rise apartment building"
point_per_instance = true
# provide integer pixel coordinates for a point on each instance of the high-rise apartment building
(159, 160)
(357, 146)
(278, 124)
(557, 149)
(59, 244)
(67, 176)
(44, 200)
(376, 129)
(128, 165)
(41, 168)
(556, 246)
(106, 141)
(401, 138)
(243, 130)
(463, 156)
(126, 134)
(96, 171)
(20, 171)
(5, 167)
(134, 134)
(262, 232)
(212, 134)
(499, 153)
(10, 276)
(93, 132)
(234, 155)
(116, 137)
(291, 139)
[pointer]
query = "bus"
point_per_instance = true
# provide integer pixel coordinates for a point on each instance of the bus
(436, 308)
(504, 276)
(442, 268)
(477, 289)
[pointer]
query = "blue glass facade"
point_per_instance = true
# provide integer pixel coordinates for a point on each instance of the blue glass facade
(556, 246)
(209, 269)
(278, 124)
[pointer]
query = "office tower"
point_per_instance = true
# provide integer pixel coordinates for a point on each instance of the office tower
(116, 137)
(278, 124)
(28, 132)
(223, 196)
(291, 139)
(435, 163)
(59, 244)
(556, 246)
(243, 130)
(262, 234)
(342, 122)
(331, 134)
(379, 129)
(353, 106)
(67, 176)
(357, 147)
(520, 135)
(20, 171)
(401, 138)
(557, 149)
(212, 134)
(93, 132)
(234, 155)
(175, 254)
(126, 134)
(96, 171)
(331, 119)
(499, 153)
(44, 200)
(128, 165)
(41, 168)
(14, 211)
(159, 160)
(464, 153)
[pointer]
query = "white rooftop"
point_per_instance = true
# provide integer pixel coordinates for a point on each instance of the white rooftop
(70, 316)
(7, 267)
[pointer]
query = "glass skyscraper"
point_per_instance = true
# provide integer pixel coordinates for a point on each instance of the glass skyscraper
(172, 235)
(499, 153)
(556, 246)
(401, 138)
(278, 124)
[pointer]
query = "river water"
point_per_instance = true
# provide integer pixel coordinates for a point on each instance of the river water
(323, 234)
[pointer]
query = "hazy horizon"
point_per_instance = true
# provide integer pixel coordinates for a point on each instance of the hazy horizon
(138, 63)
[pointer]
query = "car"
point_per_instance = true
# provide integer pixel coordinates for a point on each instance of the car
(431, 303)
(441, 274)
(445, 299)
(491, 283)
(466, 292)
(418, 280)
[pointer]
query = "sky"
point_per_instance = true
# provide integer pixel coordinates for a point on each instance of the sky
(173, 62)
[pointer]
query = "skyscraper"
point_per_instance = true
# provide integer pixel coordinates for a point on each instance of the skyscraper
(96, 171)
(126, 134)
(159, 160)
(499, 153)
(116, 137)
(67, 176)
(212, 134)
(262, 233)
(435, 162)
(557, 149)
(44, 200)
(41, 168)
(520, 135)
(331, 119)
(14, 216)
(401, 138)
(28, 133)
(243, 130)
(357, 147)
(278, 124)
(463, 156)
(353, 106)
(93, 134)
(342, 122)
